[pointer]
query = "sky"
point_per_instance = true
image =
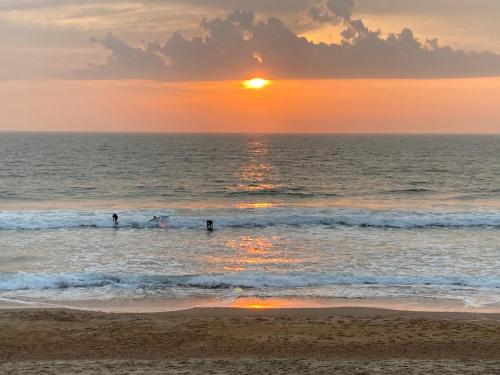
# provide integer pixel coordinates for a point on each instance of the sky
(341, 66)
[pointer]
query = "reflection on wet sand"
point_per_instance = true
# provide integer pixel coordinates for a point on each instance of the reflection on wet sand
(410, 304)
(275, 303)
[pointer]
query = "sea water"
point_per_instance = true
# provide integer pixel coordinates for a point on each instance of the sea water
(297, 217)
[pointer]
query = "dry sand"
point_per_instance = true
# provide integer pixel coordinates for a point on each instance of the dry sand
(239, 341)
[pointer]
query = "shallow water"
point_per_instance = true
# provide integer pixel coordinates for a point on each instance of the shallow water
(298, 217)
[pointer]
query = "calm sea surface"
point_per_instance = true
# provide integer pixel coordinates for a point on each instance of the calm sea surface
(414, 219)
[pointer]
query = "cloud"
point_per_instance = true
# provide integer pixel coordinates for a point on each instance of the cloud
(330, 11)
(128, 62)
(239, 44)
(341, 8)
(40, 37)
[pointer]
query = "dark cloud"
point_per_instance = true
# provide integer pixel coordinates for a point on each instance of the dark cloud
(128, 62)
(239, 44)
(331, 11)
(341, 8)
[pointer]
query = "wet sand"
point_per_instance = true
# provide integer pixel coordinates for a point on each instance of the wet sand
(232, 341)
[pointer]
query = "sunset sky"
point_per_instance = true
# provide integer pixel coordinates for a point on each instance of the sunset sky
(348, 66)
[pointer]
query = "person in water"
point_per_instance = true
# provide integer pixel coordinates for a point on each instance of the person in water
(115, 218)
(155, 218)
(210, 225)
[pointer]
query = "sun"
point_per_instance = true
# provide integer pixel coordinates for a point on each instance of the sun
(256, 83)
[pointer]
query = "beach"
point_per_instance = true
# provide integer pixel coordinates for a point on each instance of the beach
(227, 340)
(250, 187)
(356, 255)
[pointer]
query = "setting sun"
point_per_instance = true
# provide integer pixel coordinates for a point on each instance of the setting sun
(256, 83)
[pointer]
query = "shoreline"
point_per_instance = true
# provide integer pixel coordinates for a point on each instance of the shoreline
(201, 332)
(224, 312)
(254, 303)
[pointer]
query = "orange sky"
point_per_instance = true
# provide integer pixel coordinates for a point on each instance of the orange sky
(339, 106)
(71, 66)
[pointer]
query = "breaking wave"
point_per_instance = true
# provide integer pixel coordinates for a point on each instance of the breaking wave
(234, 218)
(40, 281)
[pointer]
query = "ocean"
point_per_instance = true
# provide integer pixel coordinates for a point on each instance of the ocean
(299, 219)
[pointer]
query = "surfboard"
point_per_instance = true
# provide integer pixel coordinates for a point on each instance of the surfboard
(164, 222)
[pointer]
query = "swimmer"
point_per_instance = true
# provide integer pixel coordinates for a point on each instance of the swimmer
(210, 225)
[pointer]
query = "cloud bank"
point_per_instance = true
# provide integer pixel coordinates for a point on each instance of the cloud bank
(239, 45)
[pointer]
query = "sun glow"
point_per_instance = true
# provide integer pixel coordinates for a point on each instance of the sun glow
(255, 303)
(256, 83)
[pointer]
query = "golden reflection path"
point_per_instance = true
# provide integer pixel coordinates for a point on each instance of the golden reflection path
(256, 174)
(251, 253)
(257, 205)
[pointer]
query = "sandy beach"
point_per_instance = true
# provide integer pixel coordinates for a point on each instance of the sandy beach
(229, 341)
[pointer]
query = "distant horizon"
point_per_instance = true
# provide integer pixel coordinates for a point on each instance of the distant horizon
(231, 133)
(159, 156)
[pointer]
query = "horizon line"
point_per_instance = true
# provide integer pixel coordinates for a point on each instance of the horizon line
(111, 132)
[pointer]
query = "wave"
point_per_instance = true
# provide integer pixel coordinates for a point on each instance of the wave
(244, 280)
(410, 191)
(251, 218)
(289, 192)
(295, 194)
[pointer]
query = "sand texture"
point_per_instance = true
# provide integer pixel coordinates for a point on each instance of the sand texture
(254, 367)
(238, 341)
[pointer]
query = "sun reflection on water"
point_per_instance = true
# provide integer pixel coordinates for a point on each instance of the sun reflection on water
(256, 173)
(251, 254)
(251, 245)
(256, 205)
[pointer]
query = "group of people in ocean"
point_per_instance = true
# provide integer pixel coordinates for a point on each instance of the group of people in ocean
(210, 223)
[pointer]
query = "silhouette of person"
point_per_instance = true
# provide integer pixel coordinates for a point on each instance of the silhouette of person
(210, 225)
(115, 218)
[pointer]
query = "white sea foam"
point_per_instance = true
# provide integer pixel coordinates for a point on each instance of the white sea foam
(398, 219)
(27, 281)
